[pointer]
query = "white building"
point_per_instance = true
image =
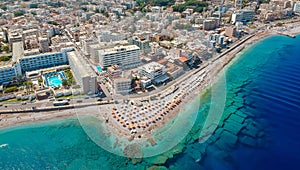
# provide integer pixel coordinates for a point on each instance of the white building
(297, 8)
(124, 56)
(84, 75)
(152, 70)
(94, 48)
(86, 43)
(107, 36)
(122, 85)
(242, 16)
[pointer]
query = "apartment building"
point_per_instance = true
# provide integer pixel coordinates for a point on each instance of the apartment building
(124, 56)
(243, 16)
(211, 23)
(120, 83)
(152, 70)
(107, 36)
(297, 7)
(141, 42)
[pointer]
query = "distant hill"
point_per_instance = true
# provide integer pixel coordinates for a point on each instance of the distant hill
(155, 2)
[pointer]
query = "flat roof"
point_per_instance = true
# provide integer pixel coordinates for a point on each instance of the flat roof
(41, 54)
(82, 67)
(17, 50)
(150, 67)
(161, 79)
(122, 79)
(118, 49)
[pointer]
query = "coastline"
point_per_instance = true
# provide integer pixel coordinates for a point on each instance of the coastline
(11, 120)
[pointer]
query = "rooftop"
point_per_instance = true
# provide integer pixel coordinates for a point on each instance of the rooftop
(18, 50)
(82, 67)
(150, 67)
(118, 49)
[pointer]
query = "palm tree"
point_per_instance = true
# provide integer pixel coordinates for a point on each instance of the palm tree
(19, 79)
(13, 79)
(65, 83)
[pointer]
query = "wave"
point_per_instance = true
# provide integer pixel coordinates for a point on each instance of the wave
(3, 145)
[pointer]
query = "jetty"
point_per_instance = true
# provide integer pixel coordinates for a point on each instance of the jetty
(287, 34)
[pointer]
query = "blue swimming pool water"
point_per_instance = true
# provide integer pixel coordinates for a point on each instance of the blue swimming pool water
(99, 69)
(54, 81)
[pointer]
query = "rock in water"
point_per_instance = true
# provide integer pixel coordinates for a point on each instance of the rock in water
(246, 140)
(136, 160)
(157, 168)
(157, 160)
(237, 118)
(227, 141)
(133, 151)
(233, 126)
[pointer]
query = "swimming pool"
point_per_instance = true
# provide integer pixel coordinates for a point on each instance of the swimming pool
(99, 69)
(54, 79)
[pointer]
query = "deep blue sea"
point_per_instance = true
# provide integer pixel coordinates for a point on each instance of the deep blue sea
(263, 83)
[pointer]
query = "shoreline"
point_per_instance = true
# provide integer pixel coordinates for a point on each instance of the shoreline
(15, 120)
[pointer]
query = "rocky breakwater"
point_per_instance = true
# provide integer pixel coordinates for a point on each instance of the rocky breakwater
(239, 126)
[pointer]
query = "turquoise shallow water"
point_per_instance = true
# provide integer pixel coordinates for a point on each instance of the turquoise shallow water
(264, 84)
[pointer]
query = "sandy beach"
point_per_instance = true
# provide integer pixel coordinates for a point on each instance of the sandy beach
(186, 95)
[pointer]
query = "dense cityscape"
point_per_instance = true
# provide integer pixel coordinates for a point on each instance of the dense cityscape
(138, 61)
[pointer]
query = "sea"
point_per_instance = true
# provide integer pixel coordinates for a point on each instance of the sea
(263, 88)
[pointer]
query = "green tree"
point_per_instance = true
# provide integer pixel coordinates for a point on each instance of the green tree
(19, 79)
(97, 10)
(14, 79)
(33, 5)
(5, 48)
(40, 80)
(52, 22)
(65, 83)
(5, 58)
(19, 13)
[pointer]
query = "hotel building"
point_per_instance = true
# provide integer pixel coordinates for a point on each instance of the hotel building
(124, 56)
(40, 61)
(154, 72)
(84, 75)
(22, 62)
(7, 73)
